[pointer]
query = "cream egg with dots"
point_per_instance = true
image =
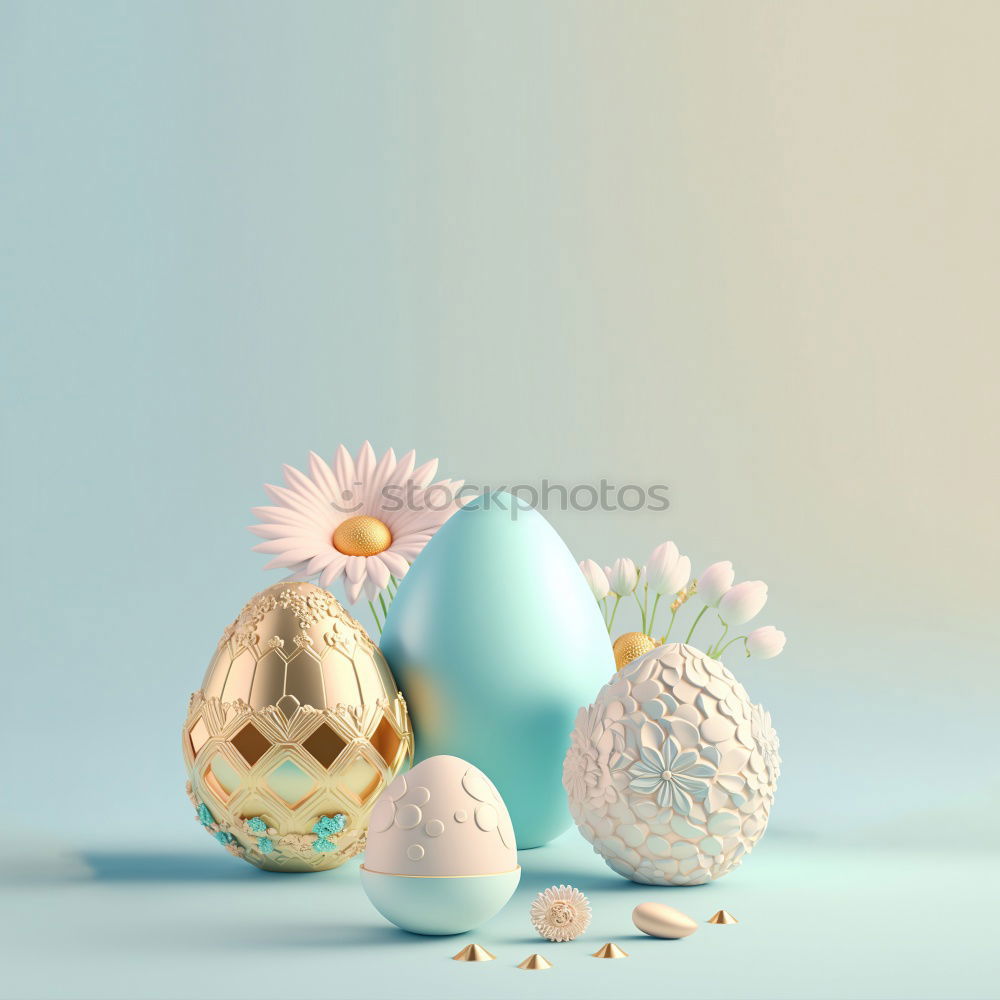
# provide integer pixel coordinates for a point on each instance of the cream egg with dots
(443, 818)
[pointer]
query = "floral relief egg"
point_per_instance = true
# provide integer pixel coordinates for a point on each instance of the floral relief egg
(671, 772)
(496, 639)
(297, 728)
(441, 856)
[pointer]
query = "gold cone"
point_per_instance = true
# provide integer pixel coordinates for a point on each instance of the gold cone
(535, 962)
(610, 950)
(722, 917)
(473, 953)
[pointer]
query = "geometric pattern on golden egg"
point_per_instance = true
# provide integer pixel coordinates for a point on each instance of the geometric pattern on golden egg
(298, 723)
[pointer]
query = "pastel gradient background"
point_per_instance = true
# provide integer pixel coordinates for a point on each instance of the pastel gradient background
(747, 250)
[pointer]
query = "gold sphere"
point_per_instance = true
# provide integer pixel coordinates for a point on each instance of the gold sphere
(362, 536)
(630, 646)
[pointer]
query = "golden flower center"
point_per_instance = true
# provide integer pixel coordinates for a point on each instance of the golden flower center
(561, 913)
(362, 536)
(631, 646)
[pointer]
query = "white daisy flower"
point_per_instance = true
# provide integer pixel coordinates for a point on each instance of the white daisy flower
(560, 913)
(363, 519)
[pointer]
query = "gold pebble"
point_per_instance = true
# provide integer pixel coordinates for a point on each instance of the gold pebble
(722, 917)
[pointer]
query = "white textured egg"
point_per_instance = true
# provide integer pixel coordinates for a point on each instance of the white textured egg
(441, 856)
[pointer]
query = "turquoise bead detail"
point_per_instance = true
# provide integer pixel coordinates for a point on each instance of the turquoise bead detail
(330, 825)
(325, 828)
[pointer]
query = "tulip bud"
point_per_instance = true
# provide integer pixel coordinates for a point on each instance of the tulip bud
(596, 578)
(744, 601)
(623, 577)
(681, 575)
(667, 570)
(715, 581)
(763, 643)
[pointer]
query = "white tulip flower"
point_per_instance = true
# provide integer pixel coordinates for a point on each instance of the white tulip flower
(681, 576)
(765, 642)
(623, 577)
(744, 601)
(714, 582)
(596, 578)
(666, 571)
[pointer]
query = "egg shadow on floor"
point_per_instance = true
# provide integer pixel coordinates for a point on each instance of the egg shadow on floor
(536, 879)
(334, 937)
(169, 866)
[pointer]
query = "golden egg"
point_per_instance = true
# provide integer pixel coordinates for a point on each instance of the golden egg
(297, 728)
(630, 646)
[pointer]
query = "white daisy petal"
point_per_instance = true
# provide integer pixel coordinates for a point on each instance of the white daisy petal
(332, 572)
(404, 468)
(383, 472)
(352, 589)
(355, 568)
(319, 563)
(290, 559)
(283, 514)
(364, 464)
(343, 469)
(297, 572)
(409, 550)
(323, 477)
(396, 564)
(294, 500)
(425, 473)
(378, 571)
(303, 485)
(286, 545)
(271, 530)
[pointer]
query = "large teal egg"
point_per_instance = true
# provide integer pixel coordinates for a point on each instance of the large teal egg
(496, 641)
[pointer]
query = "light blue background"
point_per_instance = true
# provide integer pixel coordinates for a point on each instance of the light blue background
(748, 251)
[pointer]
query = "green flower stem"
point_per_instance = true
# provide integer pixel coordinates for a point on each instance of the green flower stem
(695, 624)
(642, 610)
(719, 652)
(614, 610)
(652, 617)
(713, 652)
(666, 635)
(375, 616)
(385, 610)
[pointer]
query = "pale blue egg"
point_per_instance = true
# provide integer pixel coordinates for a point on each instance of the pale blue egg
(496, 641)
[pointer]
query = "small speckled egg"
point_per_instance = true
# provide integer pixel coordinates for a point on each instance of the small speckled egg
(441, 855)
